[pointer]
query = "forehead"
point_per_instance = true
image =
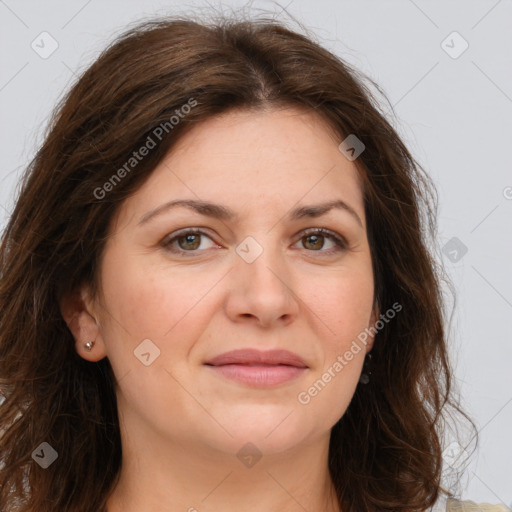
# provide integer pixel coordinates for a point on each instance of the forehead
(255, 158)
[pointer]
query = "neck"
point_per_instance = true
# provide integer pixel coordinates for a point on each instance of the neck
(159, 475)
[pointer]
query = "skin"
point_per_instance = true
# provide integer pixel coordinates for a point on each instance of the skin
(182, 424)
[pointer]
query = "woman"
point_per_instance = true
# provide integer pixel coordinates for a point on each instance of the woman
(216, 292)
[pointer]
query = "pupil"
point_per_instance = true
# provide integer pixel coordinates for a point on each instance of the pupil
(189, 239)
(315, 239)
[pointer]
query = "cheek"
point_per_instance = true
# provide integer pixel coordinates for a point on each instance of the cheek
(344, 307)
(154, 302)
(170, 307)
(149, 301)
(343, 304)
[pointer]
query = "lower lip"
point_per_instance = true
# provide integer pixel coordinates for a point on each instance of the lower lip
(259, 376)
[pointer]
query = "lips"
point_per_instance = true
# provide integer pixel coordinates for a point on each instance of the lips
(253, 357)
(258, 369)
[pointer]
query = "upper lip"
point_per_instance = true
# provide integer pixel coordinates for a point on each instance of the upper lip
(255, 357)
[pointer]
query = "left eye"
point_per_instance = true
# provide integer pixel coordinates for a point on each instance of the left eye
(191, 240)
(316, 237)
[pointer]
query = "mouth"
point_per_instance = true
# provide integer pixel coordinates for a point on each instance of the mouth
(257, 368)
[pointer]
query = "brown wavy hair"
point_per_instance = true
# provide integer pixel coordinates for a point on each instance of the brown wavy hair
(386, 451)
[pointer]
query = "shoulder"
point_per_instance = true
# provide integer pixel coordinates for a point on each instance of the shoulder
(470, 506)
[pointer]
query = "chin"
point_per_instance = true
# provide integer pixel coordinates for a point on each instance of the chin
(271, 432)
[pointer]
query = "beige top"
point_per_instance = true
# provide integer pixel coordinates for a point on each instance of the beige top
(470, 506)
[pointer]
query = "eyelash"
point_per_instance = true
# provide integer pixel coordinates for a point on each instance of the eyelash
(340, 242)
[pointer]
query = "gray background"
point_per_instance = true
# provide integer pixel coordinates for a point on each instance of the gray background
(454, 114)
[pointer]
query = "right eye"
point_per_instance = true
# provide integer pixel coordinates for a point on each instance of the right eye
(186, 241)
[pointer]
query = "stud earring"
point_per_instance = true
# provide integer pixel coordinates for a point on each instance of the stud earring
(365, 376)
(88, 346)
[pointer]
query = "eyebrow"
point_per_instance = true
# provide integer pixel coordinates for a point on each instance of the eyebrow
(221, 212)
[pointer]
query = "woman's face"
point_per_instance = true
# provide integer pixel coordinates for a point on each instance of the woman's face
(256, 277)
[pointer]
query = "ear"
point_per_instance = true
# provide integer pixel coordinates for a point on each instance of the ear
(78, 311)
(375, 316)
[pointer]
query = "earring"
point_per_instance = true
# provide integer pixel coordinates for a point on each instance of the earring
(365, 376)
(88, 346)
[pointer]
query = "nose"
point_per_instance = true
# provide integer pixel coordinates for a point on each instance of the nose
(262, 291)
